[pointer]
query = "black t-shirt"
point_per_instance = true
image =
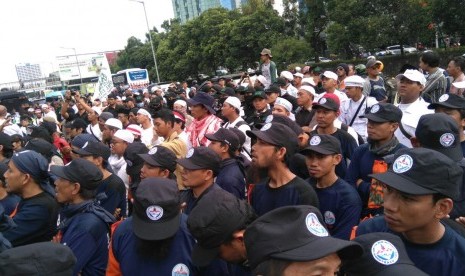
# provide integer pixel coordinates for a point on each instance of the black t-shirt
(303, 117)
(114, 189)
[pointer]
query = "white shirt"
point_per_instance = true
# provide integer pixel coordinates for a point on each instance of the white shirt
(147, 136)
(291, 90)
(348, 110)
(247, 144)
(51, 113)
(341, 95)
(94, 130)
(411, 114)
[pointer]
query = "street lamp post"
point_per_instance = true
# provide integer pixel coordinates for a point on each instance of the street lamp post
(77, 62)
(150, 39)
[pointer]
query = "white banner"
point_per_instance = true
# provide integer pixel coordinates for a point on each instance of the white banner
(90, 66)
(104, 84)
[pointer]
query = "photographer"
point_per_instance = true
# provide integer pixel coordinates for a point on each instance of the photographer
(67, 113)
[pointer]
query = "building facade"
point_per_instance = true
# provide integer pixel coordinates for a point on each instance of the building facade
(27, 71)
(185, 10)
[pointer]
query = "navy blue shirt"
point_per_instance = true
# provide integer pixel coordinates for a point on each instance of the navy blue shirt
(114, 189)
(88, 237)
(36, 220)
(378, 90)
(296, 192)
(9, 203)
(463, 147)
(340, 206)
(187, 196)
(232, 178)
(444, 257)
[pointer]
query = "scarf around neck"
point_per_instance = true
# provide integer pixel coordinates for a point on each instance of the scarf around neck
(383, 149)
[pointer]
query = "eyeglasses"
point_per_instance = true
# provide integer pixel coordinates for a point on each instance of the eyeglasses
(340, 68)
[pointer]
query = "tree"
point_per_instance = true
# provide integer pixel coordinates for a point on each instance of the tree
(449, 14)
(290, 50)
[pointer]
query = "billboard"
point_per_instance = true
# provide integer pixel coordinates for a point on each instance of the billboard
(90, 66)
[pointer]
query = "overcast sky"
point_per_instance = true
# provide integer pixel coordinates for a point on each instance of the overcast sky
(34, 30)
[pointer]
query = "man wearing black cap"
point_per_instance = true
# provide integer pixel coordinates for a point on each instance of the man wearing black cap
(84, 225)
(112, 108)
(218, 223)
(113, 187)
(454, 106)
(6, 148)
(342, 71)
(123, 116)
(262, 110)
(155, 240)
(275, 145)
(37, 212)
(272, 93)
(201, 165)
(78, 126)
(292, 240)
(232, 175)
(419, 190)
(158, 162)
(383, 120)
(339, 202)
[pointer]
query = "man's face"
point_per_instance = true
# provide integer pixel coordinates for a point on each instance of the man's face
(259, 103)
(409, 90)
(263, 58)
(380, 131)
(328, 83)
(75, 132)
(38, 115)
(141, 118)
(151, 171)
(374, 70)
(194, 178)
(325, 117)
(271, 97)
(161, 128)
(340, 72)
(106, 133)
(227, 110)
(328, 265)
(123, 118)
(297, 80)
(132, 118)
(351, 70)
(454, 113)
(423, 66)
(14, 179)
(92, 116)
(453, 69)
(320, 165)
(280, 110)
(64, 190)
(198, 111)
(118, 146)
(179, 108)
(233, 252)
(405, 213)
(303, 97)
(216, 147)
(45, 109)
(263, 154)
(352, 91)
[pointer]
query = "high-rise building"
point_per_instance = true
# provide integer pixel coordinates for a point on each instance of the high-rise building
(27, 71)
(185, 10)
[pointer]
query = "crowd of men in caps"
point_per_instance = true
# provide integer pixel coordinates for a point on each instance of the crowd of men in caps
(310, 173)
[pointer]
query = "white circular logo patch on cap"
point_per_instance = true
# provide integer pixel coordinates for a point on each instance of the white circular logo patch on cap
(384, 252)
(266, 127)
(315, 141)
(180, 270)
(330, 218)
(402, 164)
(190, 153)
(322, 101)
(443, 98)
(85, 145)
(153, 150)
(314, 226)
(269, 118)
(154, 212)
(447, 139)
(374, 108)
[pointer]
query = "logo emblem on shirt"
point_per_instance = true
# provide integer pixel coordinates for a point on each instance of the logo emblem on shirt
(374, 108)
(154, 212)
(85, 145)
(180, 270)
(314, 226)
(443, 98)
(269, 118)
(402, 164)
(190, 153)
(315, 141)
(447, 139)
(330, 218)
(266, 127)
(384, 252)
(153, 150)
(322, 101)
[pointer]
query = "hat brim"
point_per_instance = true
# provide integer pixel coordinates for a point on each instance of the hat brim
(259, 96)
(82, 152)
(149, 160)
(347, 250)
(155, 231)
(212, 137)
(188, 164)
(192, 102)
(260, 135)
(317, 105)
(401, 183)
(374, 118)
(203, 257)
(60, 172)
(318, 149)
(443, 104)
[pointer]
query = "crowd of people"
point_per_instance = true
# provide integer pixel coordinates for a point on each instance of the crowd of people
(310, 172)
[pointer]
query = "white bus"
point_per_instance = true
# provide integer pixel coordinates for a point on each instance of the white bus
(136, 78)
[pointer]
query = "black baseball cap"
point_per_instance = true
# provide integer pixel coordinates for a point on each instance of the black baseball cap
(160, 156)
(281, 119)
(440, 132)
(327, 103)
(259, 94)
(324, 144)
(239, 134)
(228, 91)
(276, 134)
(422, 171)
(213, 220)
(383, 112)
(95, 149)
(225, 135)
(5, 141)
(294, 233)
(131, 155)
(451, 101)
(157, 214)
(201, 158)
(79, 170)
(384, 255)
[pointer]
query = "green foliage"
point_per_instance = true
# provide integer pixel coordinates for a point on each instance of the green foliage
(290, 50)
